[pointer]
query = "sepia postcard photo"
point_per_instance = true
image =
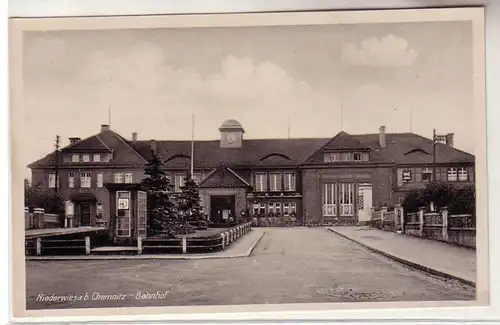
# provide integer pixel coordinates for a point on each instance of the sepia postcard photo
(248, 162)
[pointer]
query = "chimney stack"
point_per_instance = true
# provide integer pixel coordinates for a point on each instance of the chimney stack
(449, 139)
(72, 141)
(381, 137)
(153, 144)
(134, 137)
(104, 127)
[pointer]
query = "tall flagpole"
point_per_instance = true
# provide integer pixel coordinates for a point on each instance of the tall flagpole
(192, 147)
(288, 127)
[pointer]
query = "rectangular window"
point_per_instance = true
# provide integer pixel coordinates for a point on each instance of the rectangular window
(346, 156)
(85, 180)
(259, 209)
(331, 157)
(100, 179)
(75, 158)
(452, 175)
(330, 199)
(275, 182)
(52, 180)
(129, 178)
(197, 178)
(462, 174)
(71, 180)
(97, 158)
(346, 199)
(358, 156)
(178, 183)
(261, 182)
(86, 158)
(290, 182)
(119, 178)
(426, 175)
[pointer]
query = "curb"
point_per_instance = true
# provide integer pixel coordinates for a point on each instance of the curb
(145, 256)
(408, 263)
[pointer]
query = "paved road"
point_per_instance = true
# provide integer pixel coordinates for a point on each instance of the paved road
(289, 265)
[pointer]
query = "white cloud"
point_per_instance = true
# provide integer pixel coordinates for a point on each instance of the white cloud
(389, 51)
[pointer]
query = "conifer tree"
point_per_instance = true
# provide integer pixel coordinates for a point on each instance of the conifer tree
(162, 214)
(190, 203)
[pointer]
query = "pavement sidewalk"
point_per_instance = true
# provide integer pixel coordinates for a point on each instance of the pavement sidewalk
(243, 247)
(430, 256)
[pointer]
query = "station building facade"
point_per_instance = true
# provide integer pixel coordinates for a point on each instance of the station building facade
(317, 179)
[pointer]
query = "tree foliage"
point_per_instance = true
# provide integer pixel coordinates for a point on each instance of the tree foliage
(189, 200)
(35, 196)
(456, 199)
(162, 214)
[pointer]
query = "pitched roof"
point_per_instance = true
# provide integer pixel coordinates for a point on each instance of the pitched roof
(254, 152)
(224, 177)
(110, 141)
(401, 148)
(400, 145)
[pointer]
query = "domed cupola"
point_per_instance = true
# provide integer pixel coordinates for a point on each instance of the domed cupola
(231, 134)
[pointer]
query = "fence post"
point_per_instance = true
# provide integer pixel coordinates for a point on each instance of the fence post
(39, 246)
(223, 242)
(38, 216)
(184, 245)
(444, 216)
(87, 245)
(402, 218)
(228, 239)
(383, 211)
(27, 221)
(139, 245)
(421, 219)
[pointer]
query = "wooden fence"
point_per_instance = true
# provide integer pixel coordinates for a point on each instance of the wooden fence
(83, 244)
(195, 244)
(458, 229)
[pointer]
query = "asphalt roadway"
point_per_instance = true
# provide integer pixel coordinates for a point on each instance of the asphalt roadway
(289, 265)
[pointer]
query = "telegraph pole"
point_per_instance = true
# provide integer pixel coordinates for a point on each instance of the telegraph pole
(56, 163)
(434, 140)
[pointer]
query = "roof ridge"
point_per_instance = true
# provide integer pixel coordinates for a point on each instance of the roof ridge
(128, 145)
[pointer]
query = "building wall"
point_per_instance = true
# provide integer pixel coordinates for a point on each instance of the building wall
(314, 179)
(239, 193)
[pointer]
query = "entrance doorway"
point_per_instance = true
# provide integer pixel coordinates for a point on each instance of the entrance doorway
(222, 208)
(85, 214)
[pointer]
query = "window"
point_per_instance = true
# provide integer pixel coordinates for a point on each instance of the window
(97, 158)
(86, 158)
(85, 180)
(426, 175)
(331, 157)
(274, 207)
(99, 179)
(358, 156)
(261, 182)
(462, 174)
(71, 180)
(330, 199)
(197, 178)
(178, 183)
(289, 208)
(119, 178)
(275, 182)
(75, 158)
(129, 178)
(289, 182)
(259, 208)
(452, 174)
(52, 180)
(346, 156)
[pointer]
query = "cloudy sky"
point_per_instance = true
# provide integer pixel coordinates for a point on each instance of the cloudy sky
(154, 79)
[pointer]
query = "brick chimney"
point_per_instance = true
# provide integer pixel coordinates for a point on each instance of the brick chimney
(381, 136)
(449, 139)
(72, 141)
(104, 127)
(134, 137)
(153, 144)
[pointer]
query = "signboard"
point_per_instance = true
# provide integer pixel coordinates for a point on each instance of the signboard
(406, 175)
(122, 204)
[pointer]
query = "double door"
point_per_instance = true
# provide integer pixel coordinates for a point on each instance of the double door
(339, 199)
